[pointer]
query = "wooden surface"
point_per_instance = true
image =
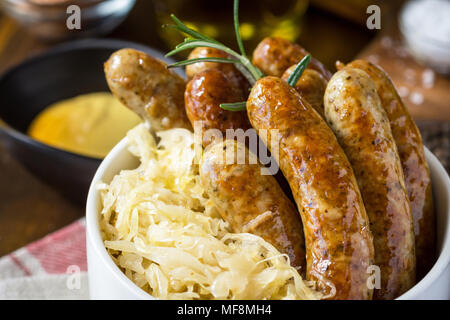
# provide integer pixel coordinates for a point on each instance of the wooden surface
(425, 92)
(29, 209)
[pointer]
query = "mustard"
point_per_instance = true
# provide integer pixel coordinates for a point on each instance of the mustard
(89, 124)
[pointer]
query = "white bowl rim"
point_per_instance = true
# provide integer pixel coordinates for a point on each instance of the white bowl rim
(94, 236)
(92, 223)
(444, 258)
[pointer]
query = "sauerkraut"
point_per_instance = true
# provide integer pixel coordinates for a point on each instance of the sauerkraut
(164, 233)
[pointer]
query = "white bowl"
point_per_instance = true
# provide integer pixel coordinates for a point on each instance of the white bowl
(106, 280)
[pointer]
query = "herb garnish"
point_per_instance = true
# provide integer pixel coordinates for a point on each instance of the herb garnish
(241, 61)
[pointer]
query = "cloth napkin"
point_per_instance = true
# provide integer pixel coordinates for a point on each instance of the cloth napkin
(51, 268)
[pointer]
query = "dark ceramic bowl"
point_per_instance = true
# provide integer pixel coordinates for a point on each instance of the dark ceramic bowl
(66, 71)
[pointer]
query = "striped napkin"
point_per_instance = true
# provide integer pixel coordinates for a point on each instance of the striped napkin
(51, 268)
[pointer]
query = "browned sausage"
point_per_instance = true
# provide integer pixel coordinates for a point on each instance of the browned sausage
(354, 112)
(415, 167)
(339, 247)
(228, 69)
(203, 96)
(146, 86)
(311, 87)
(208, 90)
(274, 55)
(250, 201)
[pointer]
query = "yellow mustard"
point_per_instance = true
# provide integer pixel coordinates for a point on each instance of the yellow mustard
(89, 124)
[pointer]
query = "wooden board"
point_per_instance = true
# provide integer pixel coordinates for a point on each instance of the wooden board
(425, 92)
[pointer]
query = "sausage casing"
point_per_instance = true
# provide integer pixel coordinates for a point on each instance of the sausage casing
(252, 202)
(203, 96)
(311, 87)
(339, 247)
(354, 112)
(274, 55)
(415, 167)
(146, 86)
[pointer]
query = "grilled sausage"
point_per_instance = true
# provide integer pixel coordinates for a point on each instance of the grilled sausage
(203, 96)
(274, 55)
(146, 86)
(228, 69)
(311, 87)
(354, 112)
(208, 90)
(252, 202)
(415, 167)
(339, 246)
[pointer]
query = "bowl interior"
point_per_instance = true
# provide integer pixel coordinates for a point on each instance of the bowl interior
(120, 158)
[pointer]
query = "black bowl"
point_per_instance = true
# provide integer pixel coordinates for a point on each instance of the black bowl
(68, 70)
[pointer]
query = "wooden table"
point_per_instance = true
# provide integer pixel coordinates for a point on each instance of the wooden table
(30, 209)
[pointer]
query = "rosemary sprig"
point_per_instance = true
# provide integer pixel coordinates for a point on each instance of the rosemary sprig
(251, 72)
(183, 28)
(236, 106)
(236, 27)
(208, 59)
(241, 61)
(298, 71)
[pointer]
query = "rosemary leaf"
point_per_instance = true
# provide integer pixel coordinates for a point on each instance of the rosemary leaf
(298, 71)
(236, 106)
(209, 59)
(196, 35)
(236, 27)
(194, 44)
(187, 40)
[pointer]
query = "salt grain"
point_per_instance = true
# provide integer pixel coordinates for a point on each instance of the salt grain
(373, 58)
(428, 78)
(410, 74)
(386, 42)
(416, 98)
(401, 51)
(403, 91)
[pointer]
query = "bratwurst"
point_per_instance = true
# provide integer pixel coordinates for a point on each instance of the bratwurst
(146, 86)
(278, 57)
(203, 96)
(415, 167)
(339, 247)
(274, 55)
(354, 112)
(251, 200)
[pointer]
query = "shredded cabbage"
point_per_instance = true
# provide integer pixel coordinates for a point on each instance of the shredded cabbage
(164, 233)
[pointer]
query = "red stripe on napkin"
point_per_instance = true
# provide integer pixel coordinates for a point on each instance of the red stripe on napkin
(61, 249)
